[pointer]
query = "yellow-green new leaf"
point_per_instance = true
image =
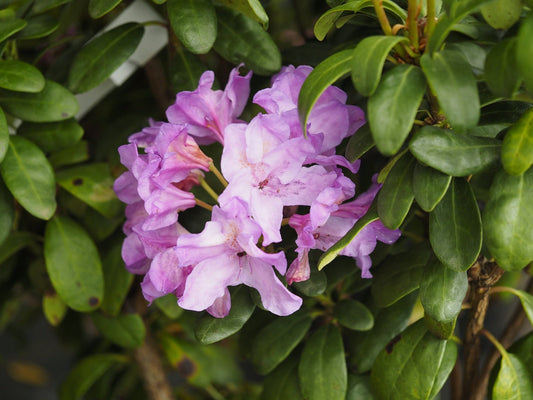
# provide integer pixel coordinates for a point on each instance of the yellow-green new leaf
(250, 8)
(524, 49)
(517, 148)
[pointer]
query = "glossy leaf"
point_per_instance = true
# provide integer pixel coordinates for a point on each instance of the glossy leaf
(517, 148)
(524, 49)
(73, 264)
(454, 154)
(429, 186)
(77, 153)
(11, 26)
(359, 143)
(99, 8)
(322, 367)
(95, 62)
(53, 103)
(451, 79)
(117, 280)
(275, 341)
(327, 20)
(415, 366)
(353, 315)
(20, 77)
(29, 177)
(441, 330)
(282, 383)
(7, 211)
(368, 60)
(126, 330)
(393, 107)
(194, 22)
(455, 230)
(513, 381)
(502, 14)
(15, 242)
(503, 112)
(39, 26)
(52, 136)
(210, 330)
(250, 8)
(54, 308)
(396, 196)
(325, 74)
(4, 135)
(507, 220)
(241, 39)
(501, 69)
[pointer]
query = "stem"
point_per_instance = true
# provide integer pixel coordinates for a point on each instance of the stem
(155, 73)
(382, 17)
(431, 18)
(209, 189)
(218, 174)
(203, 204)
(494, 341)
(412, 24)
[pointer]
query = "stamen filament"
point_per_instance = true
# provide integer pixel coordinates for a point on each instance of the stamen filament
(209, 190)
(218, 174)
(203, 204)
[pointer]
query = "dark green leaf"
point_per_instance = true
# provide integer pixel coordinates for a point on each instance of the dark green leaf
(450, 77)
(185, 71)
(241, 39)
(327, 20)
(502, 14)
(194, 22)
(11, 26)
(250, 8)
(490, 131)
(7, 211)
(169, 306)
(396, 196)
(4, 135)
(524, 49)
(315, 285)
(501, 69)
(429, 186)
(73, 264)
(126, 330)
(77, 153)
(29, 177)
(322, 367)
(503, 112)
(354, 315)
(99, 8)
(39, 26)
(442, 330)
(275, 341)
(210, 330)
(393, 107)
(20, 77)
(95, 62)
(517, 148)
(513, 381)
(360, 142)
(415, 366)
(324, 75)
(14, 242)
(53, 103)
(52, 136)
(368, 60)
(45, 5)
(282, 383)
(454, 154)
(54, 308)
(507, 220)
(359, 388)
(117, 280)
(455, 230)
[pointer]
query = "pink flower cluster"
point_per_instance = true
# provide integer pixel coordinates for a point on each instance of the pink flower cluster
(269, 169)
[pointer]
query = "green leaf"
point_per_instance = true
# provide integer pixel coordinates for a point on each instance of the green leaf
(455, 230)
(20, 77)
(502, 14)
(517, 148)
(194, 22)
(4, 135)
(92, 184)
(250, 8)
(507, 220)
(454, 154)
(359, 388)
(503, 112)
(523, 349)
(7, 211)
(54, 308)
(99, 8)
(86, 373)
(315, 285)
(169, 306)
(95, 62)
(442, 330)
(45, 5)
(415, 366)
(359, 143)
(399, 275)
(11, 26)
(451, 79)
(513, 381)
(501, 69)
(52, 136)
(325, 74)
(393, 107)
(322, 368)
(117, 280)
(524, 49)
(526, 299)
(73, 264)
(39, 26)
(185, 71)
(276, 340)
(53, 103)
(396, 196)
(77, 153)
(241, 39)
(210, 330)
(14, 242)
(368, 59)
(29, 177)
(354, 315)
(282, 383)
(442, 291)
(429, 186)
(126, 330)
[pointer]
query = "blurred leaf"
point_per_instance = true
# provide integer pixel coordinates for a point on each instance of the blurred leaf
(210, 330)
(524, 49)
(502, 14)
(322, 368)
(7, 211)
(52, 136)
(86, 373)
(53, 103)
(325, 74)
(54, 308)
(490, 131)
(359, 388)
(455, 230)
(93, 185)
(359, 143)
(73, 264)
(117, 280)
(4, 135)
(315, 285)
(526, 299)
(250, 8)
(454, 154)
(194, 22)
(442, 330)
(353, 315)
(507, 220)
(126, 330)
(393, 107)
(185, 71)
(523, 349)
(282, 383)
(450, 77)
(45, 5)
(99, 8)
(513, 381)
(20, 76)
(503, 112)
(95, 62)
(14, 242)
(415, 366)
(396, 196)
(275, 341)
(368, 59)
(517, 148)
(429, 186)
(501, 69)
(11, 26)
(241, 39)
(77, 153)
(29, 177)
(39, 26)
(169, 306)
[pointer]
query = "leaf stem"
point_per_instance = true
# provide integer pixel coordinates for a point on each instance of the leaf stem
(218, 174)
(431, 18)
(203, 204)
(209, 189)
(382, 17)
(412, 23)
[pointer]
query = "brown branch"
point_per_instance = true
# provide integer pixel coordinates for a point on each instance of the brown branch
(158, 84)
